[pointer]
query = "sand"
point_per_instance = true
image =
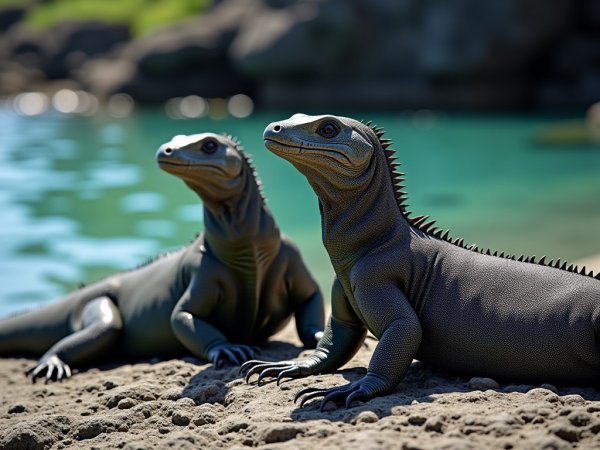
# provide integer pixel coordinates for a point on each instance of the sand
(187, 404)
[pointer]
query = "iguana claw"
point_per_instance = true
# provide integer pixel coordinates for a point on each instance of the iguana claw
(282, 369)
(56, 369)
(233, 353)
(368, 387)
(264, 369)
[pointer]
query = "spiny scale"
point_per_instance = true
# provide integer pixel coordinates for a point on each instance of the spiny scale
(420, 222)
(240, 149)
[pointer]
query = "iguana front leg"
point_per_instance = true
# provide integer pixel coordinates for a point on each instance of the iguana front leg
(389, 316)
(306, 298)
(341, 339)
(200, 337)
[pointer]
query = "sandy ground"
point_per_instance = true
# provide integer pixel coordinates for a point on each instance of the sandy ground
(185, 404)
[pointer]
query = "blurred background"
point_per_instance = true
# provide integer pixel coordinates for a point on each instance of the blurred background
(492, 107)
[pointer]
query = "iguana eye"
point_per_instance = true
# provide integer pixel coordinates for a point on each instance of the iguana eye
(329, 130)
(210, 146)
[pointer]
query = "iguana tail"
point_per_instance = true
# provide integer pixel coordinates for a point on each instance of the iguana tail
(35, 331)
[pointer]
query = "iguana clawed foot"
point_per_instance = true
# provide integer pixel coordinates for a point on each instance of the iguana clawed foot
(232, 353)
(56, 369)
(279, 370)
(368, 387)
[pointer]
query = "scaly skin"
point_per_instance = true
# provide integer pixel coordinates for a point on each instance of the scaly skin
(235, 285)
(421, 294)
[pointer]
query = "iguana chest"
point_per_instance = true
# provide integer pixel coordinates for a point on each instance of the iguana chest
(253, 303)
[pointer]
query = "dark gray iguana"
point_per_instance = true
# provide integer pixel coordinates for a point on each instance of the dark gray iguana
(420, 293)
(234, 286)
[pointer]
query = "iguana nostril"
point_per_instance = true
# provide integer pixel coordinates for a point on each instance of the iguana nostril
(277, 128)
(168, 151)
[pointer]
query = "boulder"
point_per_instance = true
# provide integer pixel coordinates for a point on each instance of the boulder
(459, 50)
(189, 57)
(10, 15)
(63, 47)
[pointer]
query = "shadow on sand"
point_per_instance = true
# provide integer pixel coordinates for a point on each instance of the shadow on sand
(422, 384)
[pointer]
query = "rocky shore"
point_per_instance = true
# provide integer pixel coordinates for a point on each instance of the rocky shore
(186, 404)
(316, 53)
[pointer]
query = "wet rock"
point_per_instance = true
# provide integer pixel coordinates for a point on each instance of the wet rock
(365, 417)
(483, 384)
(280, 433)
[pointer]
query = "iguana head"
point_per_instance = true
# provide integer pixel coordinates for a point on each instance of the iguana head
(211, 164)
(328, 150)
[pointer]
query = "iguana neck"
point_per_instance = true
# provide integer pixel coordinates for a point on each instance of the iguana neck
(240, 230)
(357, 220)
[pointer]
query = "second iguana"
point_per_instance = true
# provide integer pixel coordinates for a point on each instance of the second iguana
(421, 293)
(235, 285)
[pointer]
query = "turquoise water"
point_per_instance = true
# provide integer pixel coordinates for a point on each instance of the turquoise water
(81, 197)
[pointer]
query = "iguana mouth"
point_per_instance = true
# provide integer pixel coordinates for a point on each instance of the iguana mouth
(187, 166)
(280, 147)
(300, 148)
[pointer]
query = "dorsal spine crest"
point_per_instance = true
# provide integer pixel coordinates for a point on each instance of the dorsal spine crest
(420, 222)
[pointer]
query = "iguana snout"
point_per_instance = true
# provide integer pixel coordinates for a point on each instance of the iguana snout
(322, 143)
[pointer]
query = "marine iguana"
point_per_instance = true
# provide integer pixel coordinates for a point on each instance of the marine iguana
(421, 293)
(231, 288)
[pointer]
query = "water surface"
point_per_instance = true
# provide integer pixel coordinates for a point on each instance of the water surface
(82, 197)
